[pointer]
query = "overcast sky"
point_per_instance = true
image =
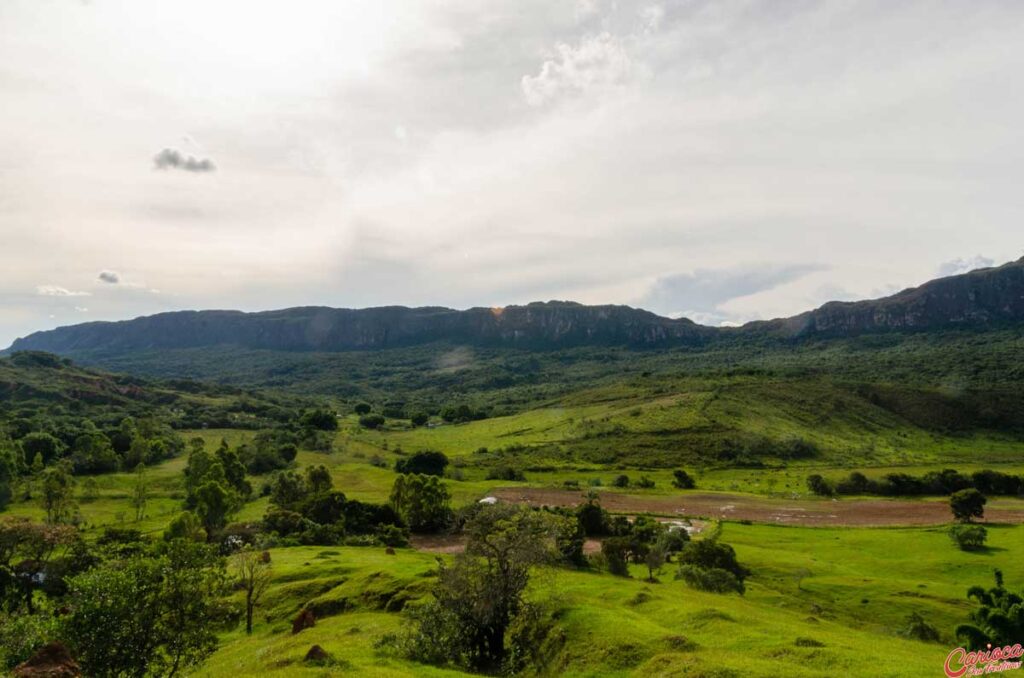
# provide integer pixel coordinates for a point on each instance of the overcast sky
(722, 160)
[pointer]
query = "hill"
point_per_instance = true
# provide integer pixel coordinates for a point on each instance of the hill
(37, 384)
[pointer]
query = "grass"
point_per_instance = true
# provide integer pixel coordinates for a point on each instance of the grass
(803, 614)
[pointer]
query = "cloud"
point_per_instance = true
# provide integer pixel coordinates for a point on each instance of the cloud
(597, 62)
(171, 158)
(110, 277)
(701, 295)
(958, 266)
(55, 291)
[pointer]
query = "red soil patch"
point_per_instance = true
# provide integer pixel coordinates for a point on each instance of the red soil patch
(813, 512)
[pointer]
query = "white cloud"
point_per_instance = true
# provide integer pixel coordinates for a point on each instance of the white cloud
(647, 139)
(596, 62)
(961, 265)
(56, 291)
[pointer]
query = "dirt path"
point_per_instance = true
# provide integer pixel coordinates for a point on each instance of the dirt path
(861, 512)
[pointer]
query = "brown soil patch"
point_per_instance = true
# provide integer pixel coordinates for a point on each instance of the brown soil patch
(50, 661)
(813, 512)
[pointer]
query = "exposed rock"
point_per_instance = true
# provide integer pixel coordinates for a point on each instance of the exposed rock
(305, 620)
(50, 661)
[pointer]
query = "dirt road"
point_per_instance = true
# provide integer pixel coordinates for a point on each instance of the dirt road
(814, 512)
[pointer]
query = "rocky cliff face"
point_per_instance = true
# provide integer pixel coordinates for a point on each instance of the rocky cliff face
(983, 298)
(539, 325)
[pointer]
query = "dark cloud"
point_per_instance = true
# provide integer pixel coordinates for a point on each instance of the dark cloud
(109, 277)
(171, 158)
(958, 266)
(699, 295)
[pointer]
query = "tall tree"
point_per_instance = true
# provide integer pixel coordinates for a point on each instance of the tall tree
(57, 495)
(252, 572)
(140, 492)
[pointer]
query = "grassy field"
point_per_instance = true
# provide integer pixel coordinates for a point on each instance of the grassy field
(821, 602)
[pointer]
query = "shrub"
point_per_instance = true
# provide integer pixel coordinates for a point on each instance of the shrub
(371, 421)
(426, 462)
(621, 481)
(645, 483)
(918, 629)
(505, 473)
(967, 504)
(392, 535)
(361, 408)
(615, 551)
(711, 579)
(682, 480)
(819, 486)
(968, 537)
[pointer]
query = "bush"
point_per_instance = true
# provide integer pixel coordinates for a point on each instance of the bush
(704, 565)
(371, 421)
(392, 535)
(682, 480)
(505, 473)
(615, 551)
(645, 483)
(967, 504)
(819, 486)
(918, 629)
(621, 481)
(427, 462)
(711, 579)
(968, 537)
(361, 408)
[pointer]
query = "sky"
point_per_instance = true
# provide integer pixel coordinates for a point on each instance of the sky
(724, 161)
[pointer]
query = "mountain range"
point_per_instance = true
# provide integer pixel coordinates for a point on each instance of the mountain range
(981, 299)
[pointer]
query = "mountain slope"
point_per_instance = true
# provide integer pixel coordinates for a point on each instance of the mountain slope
(981, 298)
(34, 382)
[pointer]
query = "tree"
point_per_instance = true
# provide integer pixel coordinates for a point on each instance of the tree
(288, 490)
(90, 490)
(998, 620)
(371, 421)
(421, 501)
(58, 494)
(967, 504)
(320, 419)
(318, 479)
(26, 550)
(481, 593)
(419, 418)
(621, 480)
(214, 503)
(616, 555)
(362, 408)
(711, 565)
(44, 445)
(817, 484)
(147, 615)
(427, 462)
(592, 518)
(252, 572)
(968, 537)
(8, 474)
(185, 526)
(139, 492)
(682, 480)
(654, 560)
